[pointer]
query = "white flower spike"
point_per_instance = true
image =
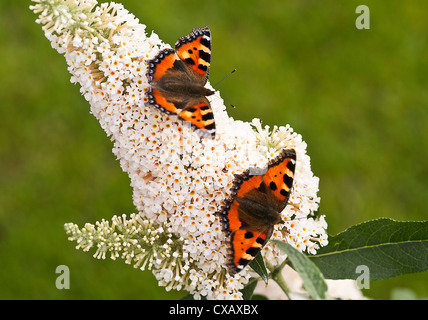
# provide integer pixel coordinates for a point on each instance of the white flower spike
(179, 179)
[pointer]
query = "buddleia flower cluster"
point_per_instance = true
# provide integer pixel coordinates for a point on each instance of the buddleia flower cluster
(179, 179)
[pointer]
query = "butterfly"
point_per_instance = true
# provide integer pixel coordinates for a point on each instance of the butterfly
(177, 79)
(254, 207)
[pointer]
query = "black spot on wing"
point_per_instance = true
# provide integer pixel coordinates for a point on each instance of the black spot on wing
(260, 241)
(206, 42)
(190, 61)
(284, 192)
(291, 166)
(248, 235)
(210, 126)
(208, 116)
(288, 180)
(272, 186)
(253, 251)
(243, 262)
(202, 67)
(205, 56)
(191, 109)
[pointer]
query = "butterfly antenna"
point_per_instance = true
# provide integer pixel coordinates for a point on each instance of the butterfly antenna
(295, 219)
(233, 106)
(224, 78)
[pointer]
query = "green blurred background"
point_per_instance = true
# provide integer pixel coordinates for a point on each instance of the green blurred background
(358, 97)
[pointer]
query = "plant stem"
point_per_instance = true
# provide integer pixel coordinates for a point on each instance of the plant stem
(276, 275)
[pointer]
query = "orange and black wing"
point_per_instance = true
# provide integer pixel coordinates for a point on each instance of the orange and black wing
(195, 111)
(245, 240)
(174, 75)
(195, 51)
(199, 114)
(159, 65)
(245, 245)
(279, 178)
(245, 227)
(229, 213)
(158, 68)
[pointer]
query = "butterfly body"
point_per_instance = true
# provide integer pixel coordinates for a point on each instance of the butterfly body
(254, 212)
(177, 79)
(250, 214)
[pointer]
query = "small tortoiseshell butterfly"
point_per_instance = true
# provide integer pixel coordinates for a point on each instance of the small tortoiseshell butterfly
(254, 208)
(177, 79)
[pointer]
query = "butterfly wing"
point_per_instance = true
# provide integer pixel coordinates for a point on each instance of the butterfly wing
(279, 178)
(177, 78)
(247, 236)
(254, 207)
(160, 68)
(199, 114)
(245, 244)
(159, 65)
(231, 214)
(195, 51)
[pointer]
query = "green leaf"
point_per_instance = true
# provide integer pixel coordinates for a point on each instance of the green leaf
(386, 247)
(258, 265)
(313, 280)
(248, 290)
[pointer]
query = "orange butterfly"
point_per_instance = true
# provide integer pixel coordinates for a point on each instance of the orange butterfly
(177, 79)
(254, 208)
